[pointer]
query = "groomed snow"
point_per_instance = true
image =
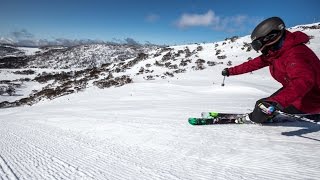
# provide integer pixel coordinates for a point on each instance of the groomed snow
(140, 131)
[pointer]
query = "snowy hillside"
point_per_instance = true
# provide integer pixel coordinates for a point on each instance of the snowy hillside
(128, 119)
(70, 70)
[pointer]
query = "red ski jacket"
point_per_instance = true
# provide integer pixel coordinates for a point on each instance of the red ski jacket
(296, 67)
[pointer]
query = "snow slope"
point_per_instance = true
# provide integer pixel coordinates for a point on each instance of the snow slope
(140, 131)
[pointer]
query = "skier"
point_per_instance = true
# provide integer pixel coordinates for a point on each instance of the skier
(291, 63)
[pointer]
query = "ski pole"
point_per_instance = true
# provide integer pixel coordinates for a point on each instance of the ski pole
(224, 77)
(298, 116)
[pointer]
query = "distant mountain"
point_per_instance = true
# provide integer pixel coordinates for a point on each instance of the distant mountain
(8, 41)
(85, 56)
(60, 57)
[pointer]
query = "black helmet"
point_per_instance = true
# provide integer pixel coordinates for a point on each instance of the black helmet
(267, 33)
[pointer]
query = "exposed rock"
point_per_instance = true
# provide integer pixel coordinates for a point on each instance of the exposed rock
(248, 46)
(211, 63)
(310, 27)
(167, 57)
(185, 62)
(199, 48)
(180, 71)
(173, 66)
(169, 74)
(25, 72)
(200, 61)
(198, 67)
(10, 90)
(45, 77)
(157, 63)
(188, 52)
(117, 82)
(13, 62)
(222, 57)
(232, 39)
(150, 77)
(218, 52)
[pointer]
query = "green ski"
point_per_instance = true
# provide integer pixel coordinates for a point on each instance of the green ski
(220, 118)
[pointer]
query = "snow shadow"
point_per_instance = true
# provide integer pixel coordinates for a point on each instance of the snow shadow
(305, 127)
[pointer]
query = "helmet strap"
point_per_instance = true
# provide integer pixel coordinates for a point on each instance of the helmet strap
(279, 44)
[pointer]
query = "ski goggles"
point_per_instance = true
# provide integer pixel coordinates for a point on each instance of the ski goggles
(267, 40)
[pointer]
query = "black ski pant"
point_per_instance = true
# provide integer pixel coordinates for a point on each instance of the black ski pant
(259, 117)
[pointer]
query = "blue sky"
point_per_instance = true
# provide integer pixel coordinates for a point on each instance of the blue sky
(161, 22)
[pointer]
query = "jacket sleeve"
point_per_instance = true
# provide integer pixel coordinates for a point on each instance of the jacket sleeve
(249, 66)
(301, 79)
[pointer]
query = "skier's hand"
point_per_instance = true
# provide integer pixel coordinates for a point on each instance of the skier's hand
(225, 72)
(269, 108)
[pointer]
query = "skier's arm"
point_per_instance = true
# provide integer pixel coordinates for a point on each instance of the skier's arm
(249, 66)
(301, 79)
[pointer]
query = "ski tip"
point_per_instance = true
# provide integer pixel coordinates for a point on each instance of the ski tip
(193, 121)
(200, 121)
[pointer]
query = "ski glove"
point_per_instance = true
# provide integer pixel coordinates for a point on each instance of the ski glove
(269, 108)
(225, 72)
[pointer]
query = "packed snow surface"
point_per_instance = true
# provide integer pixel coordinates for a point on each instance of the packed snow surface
(140, 131)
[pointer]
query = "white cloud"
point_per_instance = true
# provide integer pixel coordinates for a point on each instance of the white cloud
(189, 20)
(215, 22)
(232, 23)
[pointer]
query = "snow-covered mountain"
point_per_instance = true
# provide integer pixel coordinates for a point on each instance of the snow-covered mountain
(4, 40)
(59, 57)
(128, 119)
(86, 56)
